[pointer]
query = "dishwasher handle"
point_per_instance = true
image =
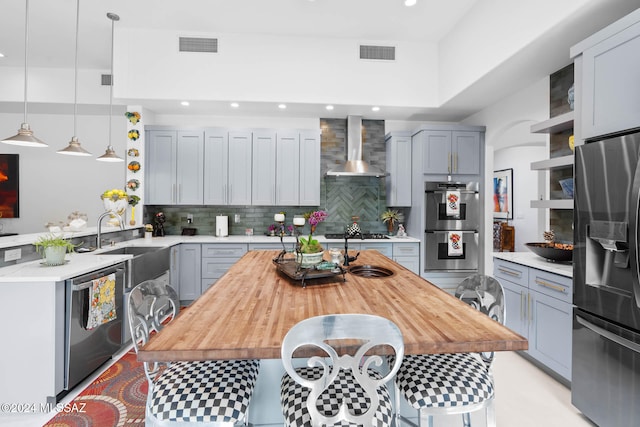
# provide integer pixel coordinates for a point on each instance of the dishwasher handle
(86, 285)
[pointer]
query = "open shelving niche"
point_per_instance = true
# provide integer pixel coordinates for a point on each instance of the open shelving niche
(559, 125)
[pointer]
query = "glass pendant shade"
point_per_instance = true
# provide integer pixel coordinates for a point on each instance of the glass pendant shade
(25, 137)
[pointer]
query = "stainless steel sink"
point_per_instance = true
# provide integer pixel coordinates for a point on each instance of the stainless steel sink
(370, 271)
(133, 250)
(148, 262)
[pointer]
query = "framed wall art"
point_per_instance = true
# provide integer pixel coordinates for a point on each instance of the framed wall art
(503, 194)
(9, 186)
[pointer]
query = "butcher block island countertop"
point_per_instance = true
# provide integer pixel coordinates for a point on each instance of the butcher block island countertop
(247, 313)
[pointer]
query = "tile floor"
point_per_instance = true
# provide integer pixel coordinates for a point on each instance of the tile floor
(525, 397)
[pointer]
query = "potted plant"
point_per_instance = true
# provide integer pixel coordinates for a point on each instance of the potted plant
(390, 217)
(311, 251)
(53, 248)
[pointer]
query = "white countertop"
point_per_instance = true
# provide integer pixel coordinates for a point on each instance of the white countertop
(82, 263)
(532, 260)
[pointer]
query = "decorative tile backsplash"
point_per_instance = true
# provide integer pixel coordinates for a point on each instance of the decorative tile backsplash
(342, 197)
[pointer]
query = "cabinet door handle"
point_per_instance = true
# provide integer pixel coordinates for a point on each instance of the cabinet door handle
(173, 193)
(551, 286)
(509, 272)
(530, 311)
(449, 161)
(455, 162)
(523, 306)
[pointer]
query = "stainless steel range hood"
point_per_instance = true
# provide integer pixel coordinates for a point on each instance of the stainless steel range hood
(355, 166)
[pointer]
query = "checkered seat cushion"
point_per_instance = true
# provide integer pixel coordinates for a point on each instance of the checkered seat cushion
(208, 391)
(293, 398)
(444, 380)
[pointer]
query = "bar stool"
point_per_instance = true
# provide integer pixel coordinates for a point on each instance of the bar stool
(457, 383)
(338, 388)
(214, 393)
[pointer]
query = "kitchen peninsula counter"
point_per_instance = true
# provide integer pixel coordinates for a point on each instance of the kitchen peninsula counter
(250, 309)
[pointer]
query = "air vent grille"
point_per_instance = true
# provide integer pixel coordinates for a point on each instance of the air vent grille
(106, 79)
(386, 53)
(198, 44)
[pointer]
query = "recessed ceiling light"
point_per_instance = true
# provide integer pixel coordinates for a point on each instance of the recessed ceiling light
(375, 108)
(282, 106)
(409, 2)
(185, 103)
(235, 105)
(1, 55)
(329, 107)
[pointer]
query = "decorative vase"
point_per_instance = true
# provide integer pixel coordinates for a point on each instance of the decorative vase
(390, 227)
(309, 260)
(116, 207)
(54, 255)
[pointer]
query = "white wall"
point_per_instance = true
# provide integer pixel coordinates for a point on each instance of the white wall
(511, 144)
(269, 68)
(53, 185)
(490, 33)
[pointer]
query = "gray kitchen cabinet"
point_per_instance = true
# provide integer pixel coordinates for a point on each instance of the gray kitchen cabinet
(263, 189)
(174, 272)
(287, 164)
(189, 270)
(216, 171)
(160, 167)
(450, 152)
(239, 172)
(607, 68)
(407, 255)
(539, 308)
(175, 168)
(309, 173)
(398, 179)
(217, 259)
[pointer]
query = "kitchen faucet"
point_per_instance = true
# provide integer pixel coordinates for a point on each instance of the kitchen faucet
(99, 237)
(351, 231)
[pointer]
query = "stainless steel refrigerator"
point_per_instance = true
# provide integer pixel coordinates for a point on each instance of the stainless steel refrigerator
(605, 383)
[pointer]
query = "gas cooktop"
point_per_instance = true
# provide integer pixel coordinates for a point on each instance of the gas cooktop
(375, 236)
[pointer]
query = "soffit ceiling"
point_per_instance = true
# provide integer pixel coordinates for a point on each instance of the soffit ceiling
(52, 35)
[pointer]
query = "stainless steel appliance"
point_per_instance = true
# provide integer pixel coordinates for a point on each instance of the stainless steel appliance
(440, 222)
(605, 382)
(87, 349)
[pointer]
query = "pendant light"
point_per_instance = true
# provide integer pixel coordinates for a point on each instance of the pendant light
(110, 154)
(74, 148)
(25, 137)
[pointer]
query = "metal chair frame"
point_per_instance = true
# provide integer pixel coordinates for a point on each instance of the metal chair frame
(151, 305)
(323, 331)
(485, 294)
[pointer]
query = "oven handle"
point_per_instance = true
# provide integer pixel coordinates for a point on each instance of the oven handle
(447, 231)
(609, 335)
(452, 189)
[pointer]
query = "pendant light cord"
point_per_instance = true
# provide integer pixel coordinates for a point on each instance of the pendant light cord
(75, 75)
(111, 79)
(26, 49)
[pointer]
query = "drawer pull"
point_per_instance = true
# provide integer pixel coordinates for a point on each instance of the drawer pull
(551, 286)
(509, 272)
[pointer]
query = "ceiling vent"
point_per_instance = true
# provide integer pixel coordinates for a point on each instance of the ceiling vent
(105, 80)
(385, 53)
(198, 44)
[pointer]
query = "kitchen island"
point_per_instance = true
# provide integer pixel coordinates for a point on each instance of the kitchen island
(249, 310)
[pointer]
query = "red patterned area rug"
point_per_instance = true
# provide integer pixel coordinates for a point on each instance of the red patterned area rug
(115, 399)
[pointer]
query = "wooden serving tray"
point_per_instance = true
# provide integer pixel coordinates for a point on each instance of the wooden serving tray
(290, 268)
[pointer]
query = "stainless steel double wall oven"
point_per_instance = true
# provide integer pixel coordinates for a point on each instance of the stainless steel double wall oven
(439, 224)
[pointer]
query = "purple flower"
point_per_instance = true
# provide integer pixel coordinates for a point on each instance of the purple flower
(317, 217)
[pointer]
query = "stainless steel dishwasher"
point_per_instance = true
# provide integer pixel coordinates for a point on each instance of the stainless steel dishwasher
(87, 349)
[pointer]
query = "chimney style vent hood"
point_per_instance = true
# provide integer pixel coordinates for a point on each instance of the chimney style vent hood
(355, 166)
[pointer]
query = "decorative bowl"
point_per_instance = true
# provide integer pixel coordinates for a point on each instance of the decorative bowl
(553, 252)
